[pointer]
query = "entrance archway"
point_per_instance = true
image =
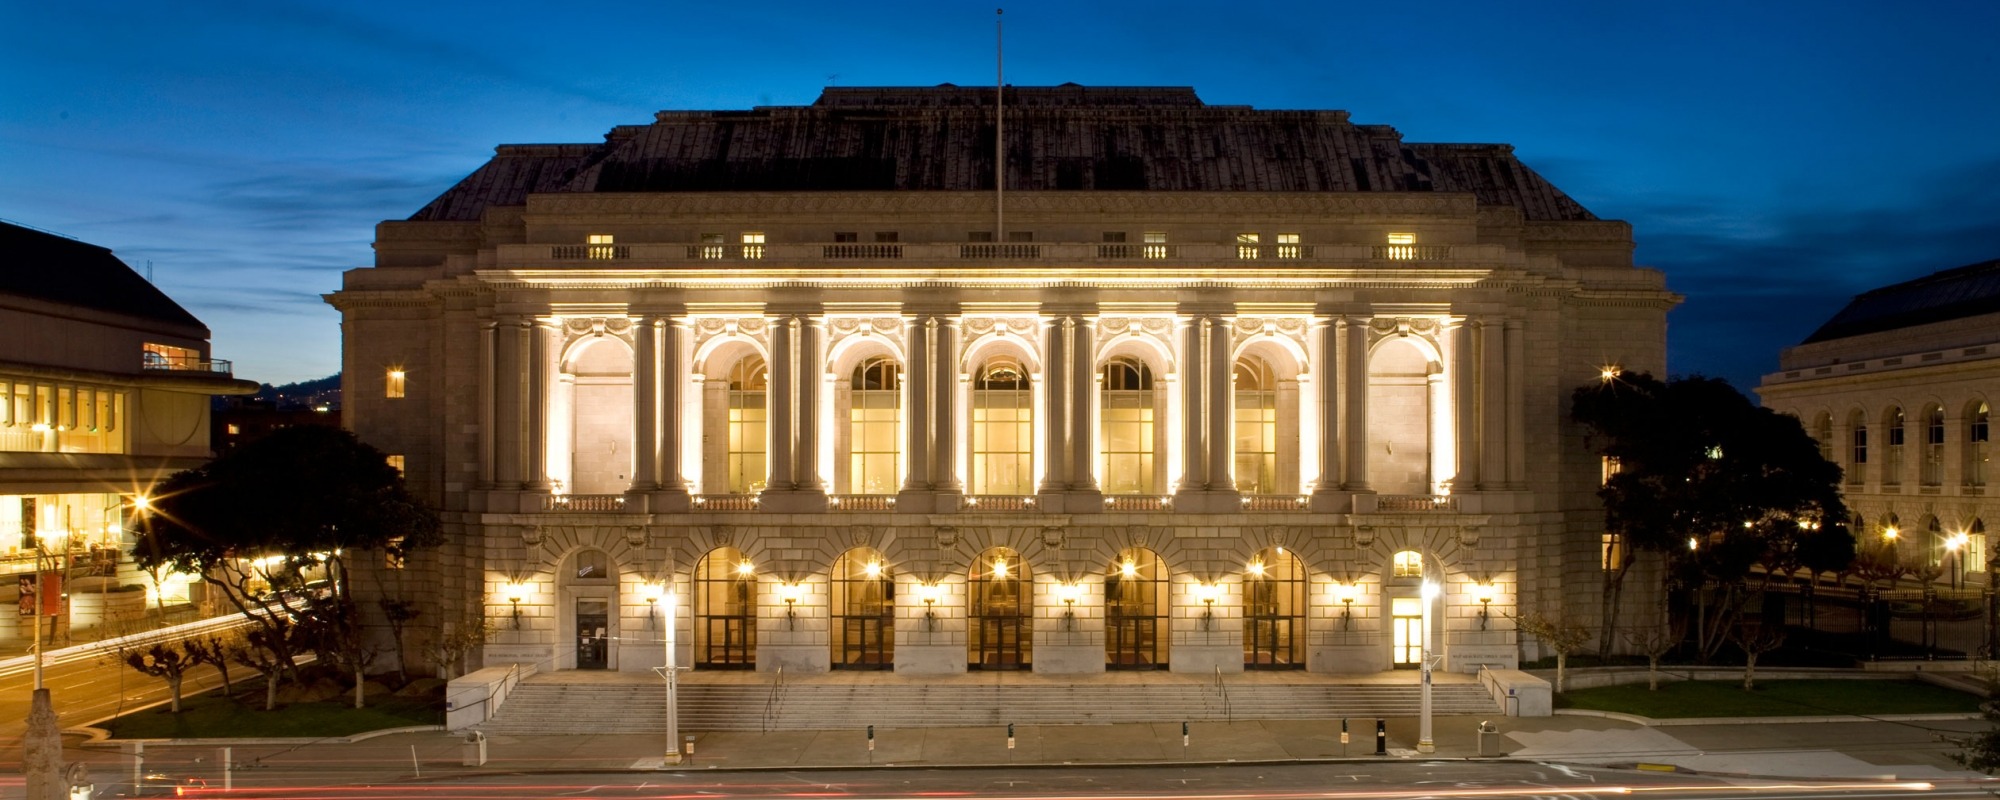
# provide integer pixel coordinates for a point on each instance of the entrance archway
(588, 596)
(864, 607)
(1135, 611)
(725, 611)
(1274, 611)
(1001, 604)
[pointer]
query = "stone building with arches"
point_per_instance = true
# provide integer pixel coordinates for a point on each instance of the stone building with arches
(1207, 388)
(1898, 388)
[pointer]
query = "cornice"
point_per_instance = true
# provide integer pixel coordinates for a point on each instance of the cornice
(1095, 203)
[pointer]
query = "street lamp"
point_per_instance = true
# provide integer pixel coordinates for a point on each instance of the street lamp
(672, 674)
(1424, 743)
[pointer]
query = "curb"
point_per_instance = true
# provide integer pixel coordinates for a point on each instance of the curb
(1672, 722)
(105, 740)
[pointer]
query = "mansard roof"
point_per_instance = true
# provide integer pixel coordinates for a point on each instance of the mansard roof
(57, 269)
(1967, 291)
(1059, 138)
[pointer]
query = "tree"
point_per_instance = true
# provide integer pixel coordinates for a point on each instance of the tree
(1696, 463)
(1982, 750)
(1560, 634)
(213, 650)
(456, 639)
(270, 525)
(1655, 642)
(168, 661)
(1756, 640)
(400, 613)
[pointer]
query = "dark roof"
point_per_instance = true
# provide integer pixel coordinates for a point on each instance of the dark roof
(1065, 137)
(1952, 294)
(48, 267)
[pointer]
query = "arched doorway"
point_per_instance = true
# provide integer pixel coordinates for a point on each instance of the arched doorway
(725, 611)
(1406, 610)
(1274, 611)
(1000, 632)
(589, 590)
(864, 608)
(1135, 611)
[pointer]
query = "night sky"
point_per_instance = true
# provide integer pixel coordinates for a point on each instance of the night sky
(1774, 158)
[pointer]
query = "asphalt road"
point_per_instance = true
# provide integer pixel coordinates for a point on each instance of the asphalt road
(84, 690)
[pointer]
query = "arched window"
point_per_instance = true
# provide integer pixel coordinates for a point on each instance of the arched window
(1975, 547)
(1126, 425)
(875, 427)
(1933, 466)
(1975, 444)
(725, 610)
(1936, 543)
(864, 608)
(590, 566)
(1822, 432)
(999, 591)
(1857, 452)
(1003, 430)
(1136, 608)
(1407, 564)
(1892, 463)
(1274, 611)
(748, 383)
(1256, 427)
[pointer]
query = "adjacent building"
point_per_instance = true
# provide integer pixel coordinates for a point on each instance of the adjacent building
(1898, 390)
(105, 384)
(1157, 385)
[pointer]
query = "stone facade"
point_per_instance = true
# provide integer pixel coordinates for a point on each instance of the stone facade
(1209, 427)
(1897, 388)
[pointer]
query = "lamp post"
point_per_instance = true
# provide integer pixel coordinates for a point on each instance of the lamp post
(1424, 743)
(672, 674)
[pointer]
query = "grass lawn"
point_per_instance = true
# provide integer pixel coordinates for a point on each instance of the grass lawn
(1772, 698)
(213, 715)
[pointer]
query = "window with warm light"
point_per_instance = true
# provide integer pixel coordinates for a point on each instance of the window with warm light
(1932, 469)
(1402, 246)
(1975, 444)
(1288, 246)
(1003, 430)
(745, 453)
(1256, 427)
(394, 383)
(1247, 247)
(1613, 552)
(753, 245)
(60, 417)
(396, 461)
(874, 427)
(1126, 410)
(1857, 449)
(1607, 467)
(1274, 607)
(1156, 244)
(600, 246)
(725, 610)
(1892, 462)
(862, 605)
(1407, 564)
(154, 355)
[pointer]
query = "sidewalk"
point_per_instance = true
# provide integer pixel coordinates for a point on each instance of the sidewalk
(1874, 750)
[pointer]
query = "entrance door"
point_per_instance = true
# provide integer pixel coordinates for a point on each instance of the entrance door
(1135, 605)
(593, 620)
(1001, 643)
(1270, 640)
(1406, 626)
(1000, 636)
(1132, 643)
(725, 611)
(1274, 605)
(729, 642)
(864, 604)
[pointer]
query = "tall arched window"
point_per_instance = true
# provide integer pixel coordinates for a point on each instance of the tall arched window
(1857, 451)
(1136, 608)
(1975, 444)
(864, 608)
(1274, 611)
(1003, 430)
(725, 610)
(1000, 594)
(748, 382)
(1936, 543)
(1933, 466)
(1126, 425)
(1976, 550)
(1892, 463)
(875, 427)
(1256, 427)
(1822, 432)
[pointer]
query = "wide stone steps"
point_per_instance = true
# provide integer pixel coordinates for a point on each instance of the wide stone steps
(563, 708)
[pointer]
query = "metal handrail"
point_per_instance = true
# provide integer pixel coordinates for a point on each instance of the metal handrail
(1227, 714)
(771, 702)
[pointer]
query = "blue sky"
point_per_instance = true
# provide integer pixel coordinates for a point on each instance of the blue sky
(1774, 158)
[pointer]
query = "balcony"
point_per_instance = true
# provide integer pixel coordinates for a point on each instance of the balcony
(1000, 255)
(1415, 503)
(584, 503)
(861, 502)
(154, 362)
(1276, 502)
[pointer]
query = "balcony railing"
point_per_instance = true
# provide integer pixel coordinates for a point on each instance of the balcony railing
(1137, 503)
(1233, 256)
(155, 361)
(999, 502)
(1275, 502)
(726, 502)
(1415, 503)
(861, 502)
(585, 503)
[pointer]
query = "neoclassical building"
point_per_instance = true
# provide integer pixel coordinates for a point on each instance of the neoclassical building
(1898, 389)
(1204, 388)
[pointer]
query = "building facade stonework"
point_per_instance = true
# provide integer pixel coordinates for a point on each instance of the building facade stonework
(1206, 388)
(1897, 388)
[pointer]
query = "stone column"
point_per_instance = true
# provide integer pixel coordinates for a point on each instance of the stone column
(1083, 395)
(673, 378)
(783, 388)
(540, 367)
(488, 382)
(920, 335)
(1054, 455)
(1465, 405)
(645, 404)
(1326, 334)
(811, 387)
(1355, 393)
(1194, 413)
(1517, 404)
(510, 381)
(1492, 405)
(948, 413)
(1220, 375)
(1442, 458)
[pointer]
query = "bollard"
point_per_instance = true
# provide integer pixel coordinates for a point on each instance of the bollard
(687, 746)
(1343, 736)
(1010, 736)
(1184, 738)
(1381, 737)
(871, 738)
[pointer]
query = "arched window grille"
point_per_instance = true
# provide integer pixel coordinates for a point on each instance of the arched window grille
(1126, 426)
(1003, 430)
(1256, 427)
(875, 427)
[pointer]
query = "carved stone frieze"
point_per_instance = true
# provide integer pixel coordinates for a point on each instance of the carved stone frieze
(706, 328)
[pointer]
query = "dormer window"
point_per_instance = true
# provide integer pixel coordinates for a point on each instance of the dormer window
(1246, 246)
(753, 245)
(601, 246)
(1402, 247)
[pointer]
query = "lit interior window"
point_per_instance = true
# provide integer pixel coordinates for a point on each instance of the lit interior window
(600, 245)
(1402, 246)
(1246, 246)
(1288, 246)
(753, 245)
(397, 462)
(393, 383)
(1409, 564)
(1156, 244)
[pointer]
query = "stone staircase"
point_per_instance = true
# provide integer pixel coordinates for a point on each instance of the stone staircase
(544, 707)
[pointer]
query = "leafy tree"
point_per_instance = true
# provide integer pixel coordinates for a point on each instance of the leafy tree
(1981, 751)
(457, 639)
(269, 526)
(1559, 633)
(1756, 640)
(1697, 462)
(168, 661)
